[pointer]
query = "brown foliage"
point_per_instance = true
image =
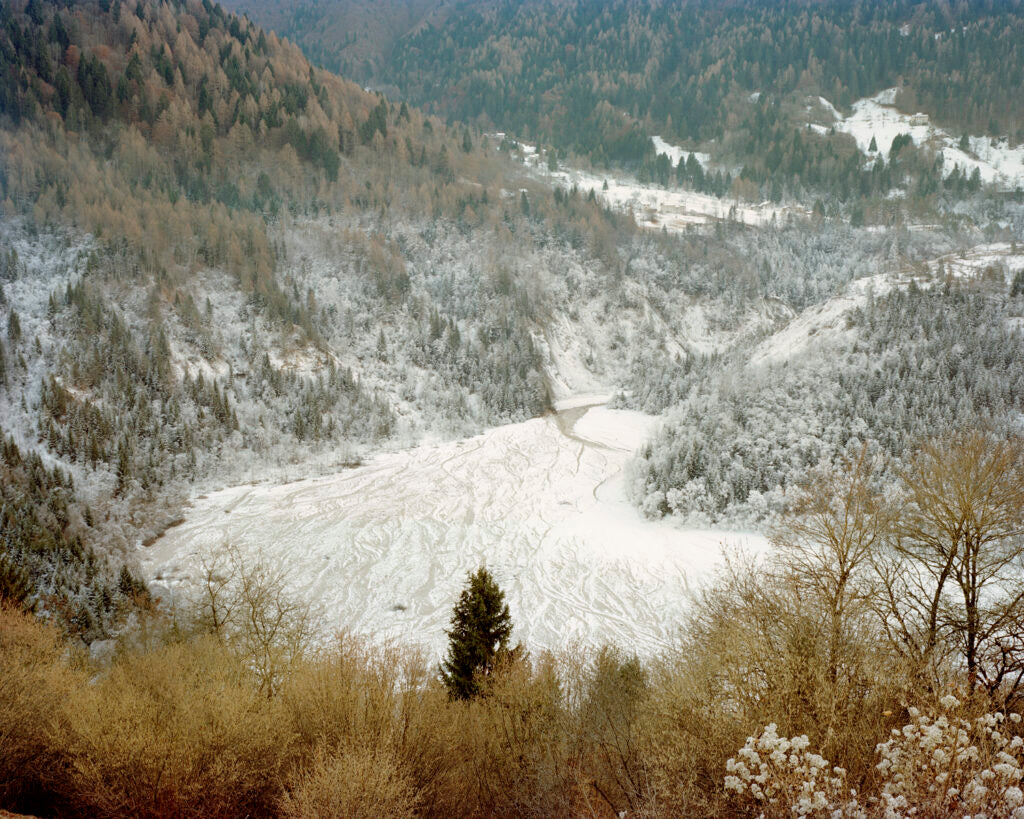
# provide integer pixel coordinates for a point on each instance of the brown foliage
(354, 783)
(179, 731)
(192, 727)
(35, 682)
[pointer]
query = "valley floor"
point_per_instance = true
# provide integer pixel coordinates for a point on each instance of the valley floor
(384, 549)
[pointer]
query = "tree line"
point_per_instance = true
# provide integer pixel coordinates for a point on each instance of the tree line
(598, 79)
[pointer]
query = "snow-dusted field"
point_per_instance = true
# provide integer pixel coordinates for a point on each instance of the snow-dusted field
(821, 324)
(878, 117)
(674, 209)
(1004, 259)
(384, 549)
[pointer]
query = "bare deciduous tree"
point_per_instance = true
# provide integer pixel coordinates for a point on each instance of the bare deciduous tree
(957, 578)
(248, 607)
(827, 540)
(827, 544)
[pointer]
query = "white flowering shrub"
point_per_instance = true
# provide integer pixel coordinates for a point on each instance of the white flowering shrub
(953, 767)
(781, 778)
(932, 767)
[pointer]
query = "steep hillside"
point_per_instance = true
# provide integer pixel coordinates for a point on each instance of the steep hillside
(919, 351)
(221, 264)
(160, 327)
(600, 79)
(355, 39)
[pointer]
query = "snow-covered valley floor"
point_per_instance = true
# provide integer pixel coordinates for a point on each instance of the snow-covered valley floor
(383, 550)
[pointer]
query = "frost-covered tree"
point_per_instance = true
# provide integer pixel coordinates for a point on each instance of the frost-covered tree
(918, 363)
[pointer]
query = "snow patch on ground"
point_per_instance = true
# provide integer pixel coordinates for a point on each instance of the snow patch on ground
(676, 210)
(823, 325)
(585, 400)
(829, 107)
(675, 153)
(1002, 259)
(384, 549)
(877, 117)
(820, 325)
(616, 429)
(570, 361)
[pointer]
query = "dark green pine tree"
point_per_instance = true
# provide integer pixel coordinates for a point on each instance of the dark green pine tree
(1016, 288)
(15, 586)
(478, 638)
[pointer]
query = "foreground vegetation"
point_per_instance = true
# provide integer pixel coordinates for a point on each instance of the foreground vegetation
(872, 666)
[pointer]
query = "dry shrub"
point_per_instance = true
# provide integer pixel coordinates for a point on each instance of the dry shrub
(355, 695)
(431, 744)
(180, 731)
(356, 782)
(551, 738)
(686, 734)
(347, 694)
(755, 653)
(519, 756)
(35, 682)
(186, 729)
(612, 691)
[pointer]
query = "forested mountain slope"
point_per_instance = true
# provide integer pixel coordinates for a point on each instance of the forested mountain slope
(221, 264)
(900, 358)
(160, 328)
(598, 79)
(355, 39)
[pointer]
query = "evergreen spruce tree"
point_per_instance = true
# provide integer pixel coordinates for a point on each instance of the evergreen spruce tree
(478, 638)
(15, 586)
(1016, 288)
